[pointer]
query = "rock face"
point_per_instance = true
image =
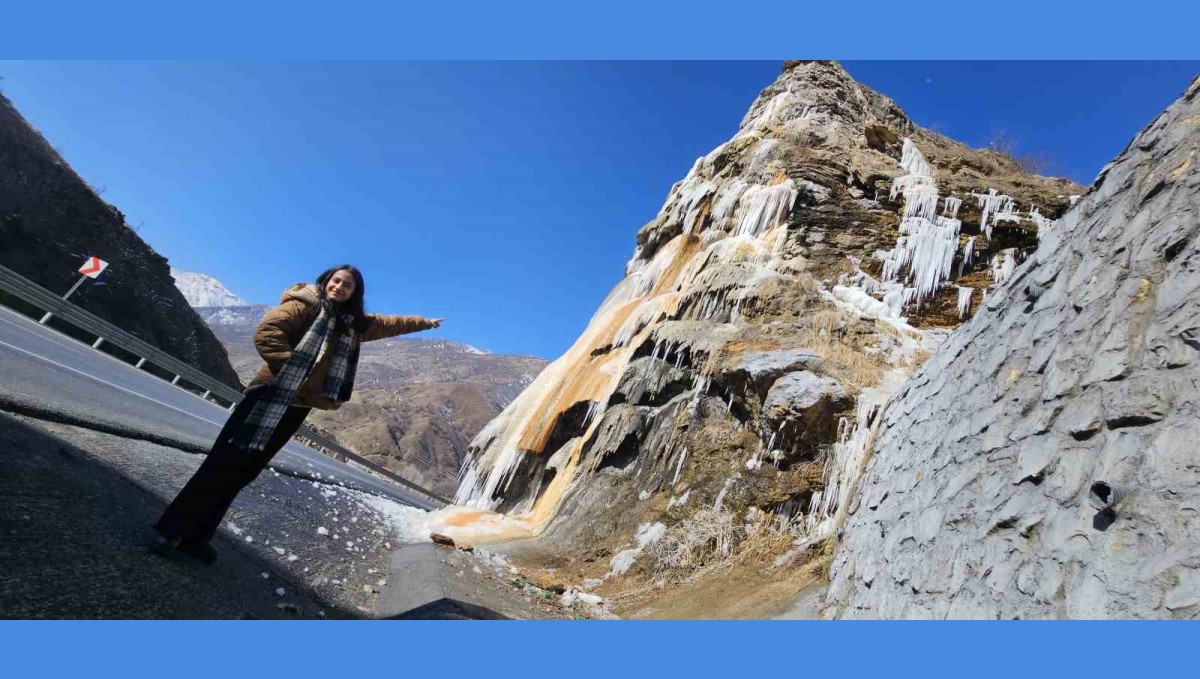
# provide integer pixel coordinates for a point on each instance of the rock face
(785, 288)
(50, 220)
(417, 402)
(1083, 368)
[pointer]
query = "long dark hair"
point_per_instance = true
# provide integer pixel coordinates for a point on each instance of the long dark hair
(355, 306)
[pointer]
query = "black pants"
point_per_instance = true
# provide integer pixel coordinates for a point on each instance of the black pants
(197, 511)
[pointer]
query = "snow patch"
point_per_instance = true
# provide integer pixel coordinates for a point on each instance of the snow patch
(204, 291)
(647, 534)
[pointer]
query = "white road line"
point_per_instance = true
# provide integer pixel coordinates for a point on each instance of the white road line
(321, 461)
(109, 384)
(75, 346)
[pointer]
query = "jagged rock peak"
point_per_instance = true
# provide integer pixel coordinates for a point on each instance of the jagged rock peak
(201, 290)
(808, 87)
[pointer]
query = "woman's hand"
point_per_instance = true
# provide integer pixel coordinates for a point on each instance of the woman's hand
(436, 322)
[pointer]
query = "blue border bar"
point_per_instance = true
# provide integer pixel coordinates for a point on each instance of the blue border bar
(613, 29)
(607, 650)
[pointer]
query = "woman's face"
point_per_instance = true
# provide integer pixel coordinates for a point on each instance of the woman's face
(340, 286)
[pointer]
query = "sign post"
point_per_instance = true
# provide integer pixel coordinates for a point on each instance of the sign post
(92, 268)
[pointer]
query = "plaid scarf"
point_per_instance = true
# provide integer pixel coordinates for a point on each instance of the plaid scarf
(260, 424)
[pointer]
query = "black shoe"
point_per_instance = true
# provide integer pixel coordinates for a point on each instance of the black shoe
(176, 548)
(168, 548)
(201, 551)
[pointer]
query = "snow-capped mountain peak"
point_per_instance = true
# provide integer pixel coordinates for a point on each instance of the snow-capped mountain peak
(204, 291)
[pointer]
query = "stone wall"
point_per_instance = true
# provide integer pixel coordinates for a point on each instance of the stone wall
(1082, 368)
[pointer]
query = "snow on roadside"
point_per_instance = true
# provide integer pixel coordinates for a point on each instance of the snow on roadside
(647, 534)
(408, 524)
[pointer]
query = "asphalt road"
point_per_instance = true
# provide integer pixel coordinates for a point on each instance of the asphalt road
(42, 368)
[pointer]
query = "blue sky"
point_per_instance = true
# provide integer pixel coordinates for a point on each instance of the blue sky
(504, 196)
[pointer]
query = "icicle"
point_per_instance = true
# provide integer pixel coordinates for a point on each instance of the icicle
(912, 161)
(512, 471)
(701, 387)
(951, 206)
(1043, 224)
(992, 203)
(928, 242)
(721, 495)
(726, 202)
(968, 254)
(765, 207)
(678, 467)
(964, 300)
(690, 198)
(1003, 265)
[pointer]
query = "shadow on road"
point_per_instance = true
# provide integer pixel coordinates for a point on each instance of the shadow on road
(73, 544)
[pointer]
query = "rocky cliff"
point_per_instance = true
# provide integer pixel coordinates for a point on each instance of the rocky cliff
(789, 284)
(51, 220)
(988, 488)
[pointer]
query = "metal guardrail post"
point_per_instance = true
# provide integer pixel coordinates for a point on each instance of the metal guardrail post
(23, 288)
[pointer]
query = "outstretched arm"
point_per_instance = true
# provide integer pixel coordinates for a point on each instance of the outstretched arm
(382, 326)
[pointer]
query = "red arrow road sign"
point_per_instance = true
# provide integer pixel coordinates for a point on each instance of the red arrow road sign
(93, 267)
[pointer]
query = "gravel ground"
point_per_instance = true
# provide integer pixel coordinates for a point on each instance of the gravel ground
(76, 508)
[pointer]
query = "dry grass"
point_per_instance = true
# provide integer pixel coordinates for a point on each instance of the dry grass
(706, 537)
(828, 332)
(767, 540)
(840, 340)
(713, 541)
(704, 555)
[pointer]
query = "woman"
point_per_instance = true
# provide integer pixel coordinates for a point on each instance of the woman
(310, 344)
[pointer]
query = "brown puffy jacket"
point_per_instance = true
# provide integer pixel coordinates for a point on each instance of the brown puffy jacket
(284, 326)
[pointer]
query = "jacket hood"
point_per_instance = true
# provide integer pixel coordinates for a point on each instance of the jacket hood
(303, 292)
